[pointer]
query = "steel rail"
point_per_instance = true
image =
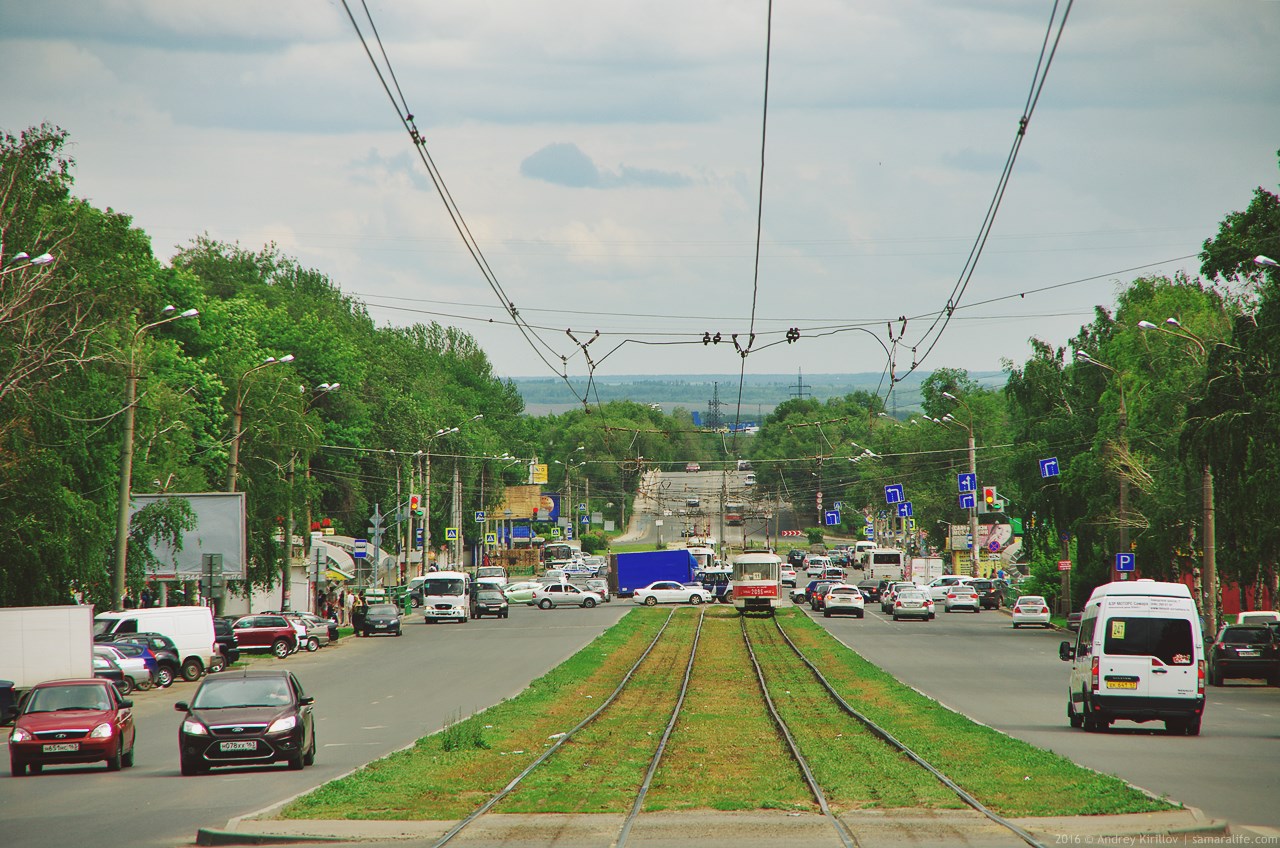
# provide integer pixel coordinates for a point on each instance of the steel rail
(886, 736)
(845, 836)
(515, 781)
(662, 743)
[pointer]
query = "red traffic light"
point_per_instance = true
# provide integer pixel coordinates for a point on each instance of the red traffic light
(415, 504)
(989, 495)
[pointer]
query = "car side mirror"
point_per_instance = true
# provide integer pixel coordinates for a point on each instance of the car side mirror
(126, 704)
(305, 700)
(181, 706)
(1066, 652)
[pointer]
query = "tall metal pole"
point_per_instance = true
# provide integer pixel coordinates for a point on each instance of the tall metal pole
(1210, 570)
(126, 476)
(426, 514)
(1124, 475)
(973, 511)
(286, 572)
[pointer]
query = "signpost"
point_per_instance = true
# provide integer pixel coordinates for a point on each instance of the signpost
(1125, 563)
(894, 494)
(831, 517)
(904, 509)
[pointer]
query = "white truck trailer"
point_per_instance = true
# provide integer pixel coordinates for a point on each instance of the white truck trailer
(924, 570)
(45, 643)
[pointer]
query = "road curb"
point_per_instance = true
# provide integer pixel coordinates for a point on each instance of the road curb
(212, 836)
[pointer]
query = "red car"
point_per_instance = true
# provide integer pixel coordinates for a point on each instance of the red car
(266, 632)
(71, 721)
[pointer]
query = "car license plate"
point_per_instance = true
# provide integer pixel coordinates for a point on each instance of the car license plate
(1249, 652)
(1122, 684)
(238, 746)
(61, 747)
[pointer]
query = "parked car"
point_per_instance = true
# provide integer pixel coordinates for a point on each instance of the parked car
(671, 592)
(266, 633)
(990, 592)
(381, 618)
(961, 596)
(912, 603)
(1244, 650)
(870, 590)
(247, 718)
(522, 592)
(890, 594)
(106, 668)
(315, 630)
(71, 721)
(228, 646)
(490, 601)
(1073, 620)
(1031, 609)
(330, 626)
(165, 652)
(564, 594)
(137, 670)
(692, 466)
(843, 598)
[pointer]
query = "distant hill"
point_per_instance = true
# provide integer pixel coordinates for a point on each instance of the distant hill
(760, 392)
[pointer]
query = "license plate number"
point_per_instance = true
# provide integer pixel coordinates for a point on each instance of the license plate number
(1248, 652)
(1122, 684)
(61, 747)
(238, 746)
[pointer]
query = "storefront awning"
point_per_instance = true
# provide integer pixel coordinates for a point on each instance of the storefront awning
(335, 573)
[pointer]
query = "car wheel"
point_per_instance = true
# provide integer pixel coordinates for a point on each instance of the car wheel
(895, 616)
(651, 601)
(309, 758)
(126, 759)
(1192, 726)
(126, 686)
(399, 632)
(1075, 719)
(164, 677)
(217, 664)
(826, 613)
(281, 648)
(588, 602)
(861, 613)
(946, 609)
(695, 599)
(113, 760)
(313, 645)
(545, 603)
(192, 669)
(1016, 625)
(17, 767)
(1216, 678)
(296, 762)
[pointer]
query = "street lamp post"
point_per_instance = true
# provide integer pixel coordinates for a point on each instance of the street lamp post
(426, 488)
(973, 470)
(1122, 435)
(286, 570)
(237, 416)
(126, 450)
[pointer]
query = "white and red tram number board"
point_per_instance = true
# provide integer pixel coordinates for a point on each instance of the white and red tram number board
(768, 590)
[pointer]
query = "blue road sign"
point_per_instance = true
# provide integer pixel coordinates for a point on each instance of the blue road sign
(418, 536)
(869, 532)
(360, 548)
(831, 517)
(479, 516)
(838, 505)
(968, 500)
(1126, 562)
(967, 482)
(993, 546)
(904, 509)
(586, 519)
(451, 534)
(1049, 467)
(894, 494)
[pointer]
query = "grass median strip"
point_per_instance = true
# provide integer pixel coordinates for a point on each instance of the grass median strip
(1008, 775)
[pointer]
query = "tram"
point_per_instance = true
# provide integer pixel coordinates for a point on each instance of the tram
(757, 582)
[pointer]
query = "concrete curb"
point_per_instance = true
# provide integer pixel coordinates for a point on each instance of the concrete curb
(211, 836)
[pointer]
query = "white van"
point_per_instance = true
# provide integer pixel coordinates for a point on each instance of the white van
(190, 628)
(886, 564)
(446, 596)
(1138, 656)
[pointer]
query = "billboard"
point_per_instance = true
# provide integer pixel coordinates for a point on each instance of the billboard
(220, 529)
(520, 502)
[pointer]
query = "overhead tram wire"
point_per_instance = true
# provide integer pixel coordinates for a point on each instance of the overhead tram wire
(455, 214)
(755, 275)
(1041, 73)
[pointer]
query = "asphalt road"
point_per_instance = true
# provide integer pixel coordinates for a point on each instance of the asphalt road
(373, 696)
(1013, 681)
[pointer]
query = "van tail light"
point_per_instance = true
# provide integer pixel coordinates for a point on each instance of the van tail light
(1200, 677)
(1093, 674)
(897, 603)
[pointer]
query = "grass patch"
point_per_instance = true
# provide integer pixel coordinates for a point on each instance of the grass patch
(1010, 776)
(429, 782)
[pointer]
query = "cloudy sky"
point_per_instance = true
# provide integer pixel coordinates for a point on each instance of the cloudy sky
(606, 158)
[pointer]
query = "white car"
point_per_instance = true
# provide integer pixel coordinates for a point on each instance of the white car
(564, 595)
(521, 592)
(1031, 609)
(671, 592)
(816, 566)
(788, 576)
(937, 589)
(961, 596)
(843, 598)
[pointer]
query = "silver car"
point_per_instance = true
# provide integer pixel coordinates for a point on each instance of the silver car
(564, 594)
(912, 603)
(136, 673)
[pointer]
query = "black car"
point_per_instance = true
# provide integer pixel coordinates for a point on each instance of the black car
(241, 718)
(990, 593)
(490, 602)
(228, 645)
(1244, 650)
(816, 592)
(795, 558)
(380, 618)
(168, 666)
(870, 590)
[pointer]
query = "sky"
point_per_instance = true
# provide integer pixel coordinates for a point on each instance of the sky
(607, 160)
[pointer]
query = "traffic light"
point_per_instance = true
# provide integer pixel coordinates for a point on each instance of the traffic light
(989, 497)
(415, 504)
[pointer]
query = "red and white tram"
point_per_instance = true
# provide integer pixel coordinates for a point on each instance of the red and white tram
(757, 582)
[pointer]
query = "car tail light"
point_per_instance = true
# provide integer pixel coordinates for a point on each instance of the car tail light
(1093, 674)
(1017, 609)
(1200, 677)
(951, 596)
(897, 603)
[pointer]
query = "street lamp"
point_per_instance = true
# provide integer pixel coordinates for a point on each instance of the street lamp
(1122, 436)
(286, 570)
(1266, 262)
(973, 471)
(126, 450)
(238, 415)
(426, 489)
(22, 260)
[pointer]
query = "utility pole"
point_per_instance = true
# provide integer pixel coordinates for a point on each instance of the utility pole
(1210, 570)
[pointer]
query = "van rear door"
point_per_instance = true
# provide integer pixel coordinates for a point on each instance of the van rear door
(1148, 654)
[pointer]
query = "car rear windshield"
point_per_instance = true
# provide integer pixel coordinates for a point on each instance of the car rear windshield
(1167, 639)
(845, 590)
(1245, 635)
(980, 585)
(1031, 601)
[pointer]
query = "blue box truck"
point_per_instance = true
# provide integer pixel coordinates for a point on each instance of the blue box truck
(637, 570)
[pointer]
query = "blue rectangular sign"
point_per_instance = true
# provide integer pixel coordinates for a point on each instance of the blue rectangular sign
(904, 509)
(1126, 562)
(869, 532)
(967, 482)
(968, 500)
(831, 517)
(894, 494)
(360, 548)
(1049, 467)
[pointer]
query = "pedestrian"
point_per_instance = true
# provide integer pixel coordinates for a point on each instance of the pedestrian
(346, 600)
